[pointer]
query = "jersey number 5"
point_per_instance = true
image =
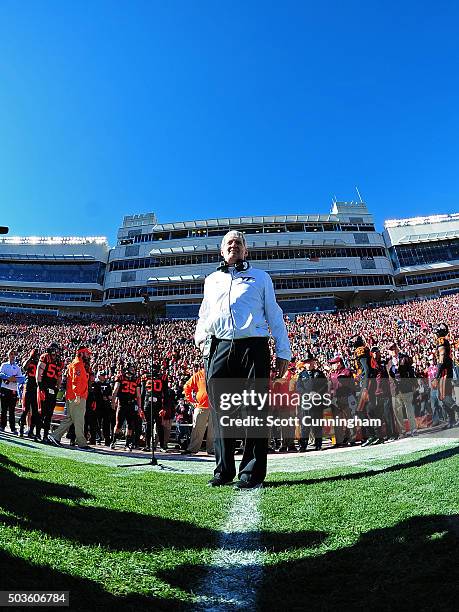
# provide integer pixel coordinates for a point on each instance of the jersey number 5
(53, 371)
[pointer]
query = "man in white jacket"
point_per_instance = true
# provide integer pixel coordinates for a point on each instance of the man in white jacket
(238, 312)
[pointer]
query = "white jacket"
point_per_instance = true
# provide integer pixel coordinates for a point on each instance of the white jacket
(241, 305)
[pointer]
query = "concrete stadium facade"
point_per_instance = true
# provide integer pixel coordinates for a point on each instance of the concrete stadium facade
(316, 262)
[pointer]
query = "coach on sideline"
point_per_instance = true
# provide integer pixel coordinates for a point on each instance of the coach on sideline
(232, 332)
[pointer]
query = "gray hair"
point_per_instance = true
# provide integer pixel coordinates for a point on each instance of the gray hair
(233, 233)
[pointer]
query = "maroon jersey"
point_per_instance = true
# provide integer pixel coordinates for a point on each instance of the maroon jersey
(127, 391)
(52, 371)
(30, 371)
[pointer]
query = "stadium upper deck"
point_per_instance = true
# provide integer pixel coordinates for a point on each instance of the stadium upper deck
(317, 262)
(52, 272)
(425, 254)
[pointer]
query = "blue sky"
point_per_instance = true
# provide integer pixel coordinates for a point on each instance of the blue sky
(196, 109)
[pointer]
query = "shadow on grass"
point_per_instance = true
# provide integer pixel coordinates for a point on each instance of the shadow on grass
(19, 575)
(426, 460)
(409, 566)
(27, 499)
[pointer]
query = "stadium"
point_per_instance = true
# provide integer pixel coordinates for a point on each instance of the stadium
(318, 263)
(360, 523)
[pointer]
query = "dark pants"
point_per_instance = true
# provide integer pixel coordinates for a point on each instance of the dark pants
(449, 406)
(9, 399)
(367, 411)
(245, 361)
(375, 410)
(30, 404)
(104, 415)
(149, 414)
(46, 407)
(157, 420)
(92, 419)
(315, 412)
(384, 410)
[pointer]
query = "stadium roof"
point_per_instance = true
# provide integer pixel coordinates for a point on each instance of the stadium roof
(54, 240)
(225, 222)
(411, 238)
(421, 220)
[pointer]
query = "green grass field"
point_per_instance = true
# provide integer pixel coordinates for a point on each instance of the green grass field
(384, 536)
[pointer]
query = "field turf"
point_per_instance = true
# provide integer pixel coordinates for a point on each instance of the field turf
(383, 536)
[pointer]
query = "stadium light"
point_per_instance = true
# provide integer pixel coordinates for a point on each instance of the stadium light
(54, 240)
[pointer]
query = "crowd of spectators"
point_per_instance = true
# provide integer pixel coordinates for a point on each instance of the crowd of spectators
(115, 340)
(409, 325)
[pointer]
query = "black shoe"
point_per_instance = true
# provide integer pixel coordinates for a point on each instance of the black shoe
(146, 449)
(21, 431)
(85, 447)
(367, 442)
(248, 484)
(218, 481)
(302, 449)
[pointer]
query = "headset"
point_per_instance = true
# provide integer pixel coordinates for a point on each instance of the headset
(239, 266)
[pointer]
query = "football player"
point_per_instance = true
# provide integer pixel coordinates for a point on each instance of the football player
(127, 392)
(49, 376)
(29, 395)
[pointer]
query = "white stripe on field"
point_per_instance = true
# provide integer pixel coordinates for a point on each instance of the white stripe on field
(235, 574)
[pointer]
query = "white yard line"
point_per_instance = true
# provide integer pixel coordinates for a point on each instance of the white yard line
(234, 576)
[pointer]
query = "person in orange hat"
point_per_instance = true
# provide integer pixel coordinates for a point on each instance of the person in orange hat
(77, 393)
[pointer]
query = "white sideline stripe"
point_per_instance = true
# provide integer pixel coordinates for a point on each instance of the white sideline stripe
(226, 585)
